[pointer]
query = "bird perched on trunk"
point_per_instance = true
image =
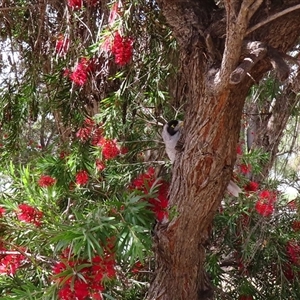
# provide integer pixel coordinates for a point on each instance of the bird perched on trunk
(171, 134)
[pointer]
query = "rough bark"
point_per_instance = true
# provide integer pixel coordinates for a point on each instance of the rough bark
(213, 110)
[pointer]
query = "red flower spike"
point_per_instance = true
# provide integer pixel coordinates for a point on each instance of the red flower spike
(124, 150)
(46, 181)
(100, 165)
(288, 272)
(79, 75)
(29, 214)
(114, 12)
(296, 226)
(292, 205)
(144, 182)
(269, 197)
(137, 267)
(2, 211)
(106, 44)
(245, 168)
(264, 209)
(251, 187)
(84, 133)
(239, 150)
(82, 177)
(293, 252)
(91, 287)
(92, 2)
(62, 45)
(110, 148)
(10, 263)
(66, 73)
(75, 4)
(122, 49)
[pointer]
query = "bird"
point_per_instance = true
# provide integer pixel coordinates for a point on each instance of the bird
(171, 134)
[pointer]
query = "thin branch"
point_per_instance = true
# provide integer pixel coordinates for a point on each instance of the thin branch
(272, 18)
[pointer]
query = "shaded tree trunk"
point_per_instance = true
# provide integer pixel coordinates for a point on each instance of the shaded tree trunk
(214, 94)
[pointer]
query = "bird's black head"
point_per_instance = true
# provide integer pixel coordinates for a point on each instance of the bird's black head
(172, 127)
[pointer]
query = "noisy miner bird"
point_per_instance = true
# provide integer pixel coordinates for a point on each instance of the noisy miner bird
(171, 134)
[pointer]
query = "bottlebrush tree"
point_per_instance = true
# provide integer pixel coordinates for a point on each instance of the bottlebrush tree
(90, 207)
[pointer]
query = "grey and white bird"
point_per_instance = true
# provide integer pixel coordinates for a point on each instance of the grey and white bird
(171, 134)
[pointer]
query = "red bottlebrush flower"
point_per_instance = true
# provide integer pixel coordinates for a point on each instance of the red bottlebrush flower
(264, 209)
(239, 149)
(66, 73)
(137, 267)
(62, 45)
(123, 150)
(2, 211)
(144, 182)
(100, 165)
(113, 12)
(106, 44)
(94, 273)
(288, 272)
(82, 177)
(122, 49)
(46, 181)
(268, 196)
(75, 4)
(30, 214)
(161, 203)
(87, 130)
(110, 148)
(97, 136)
(251, 187)
(265, 205)
(296, 225)
(63, 155)
(84, 133)
(10, 263)
(89, 122)
(245, 168)
(292, 204)
(79, 76)
(293, 252)
(92, 2)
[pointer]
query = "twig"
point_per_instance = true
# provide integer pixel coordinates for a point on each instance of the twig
(272, 18)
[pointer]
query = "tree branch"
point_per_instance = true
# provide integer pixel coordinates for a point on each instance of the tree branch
(235, 33)
(256, 52)
(272, 18)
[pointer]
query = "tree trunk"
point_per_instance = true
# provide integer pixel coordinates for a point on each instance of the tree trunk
(213, 99)
(200, 176)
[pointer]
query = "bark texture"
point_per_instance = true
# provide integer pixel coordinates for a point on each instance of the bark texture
(211, 41)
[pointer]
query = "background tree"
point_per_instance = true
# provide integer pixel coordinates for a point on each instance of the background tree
(85, 88)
